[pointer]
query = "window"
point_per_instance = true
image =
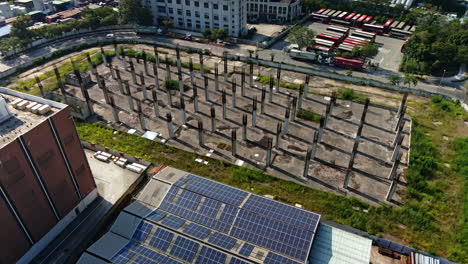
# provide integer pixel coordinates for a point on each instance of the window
(178, 2)
(207, 16)
(188, 12)
(206, 5)
(162, 9)
(187, 2)
(171, 10)
(197, 26)
(169, 1)
(197, 4)
(215, 6)
(189, 25)
(225, 8)
(197, 13)
(179, 11)
(215, 17)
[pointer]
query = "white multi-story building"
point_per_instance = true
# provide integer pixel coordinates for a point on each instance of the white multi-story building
(197, 15)
(278, 11)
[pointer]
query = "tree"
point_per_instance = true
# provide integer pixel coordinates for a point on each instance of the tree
(369, 50)
(219, 33)
(206, 33)
(167, 24)
(302, 36)
(19, 30)
(409, 79)
(394, 79)
(133, 12)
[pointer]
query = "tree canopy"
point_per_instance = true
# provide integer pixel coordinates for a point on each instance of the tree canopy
(302, 36)
(133, 12)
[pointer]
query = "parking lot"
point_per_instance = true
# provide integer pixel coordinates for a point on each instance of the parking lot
(389, 56)
(265, 30)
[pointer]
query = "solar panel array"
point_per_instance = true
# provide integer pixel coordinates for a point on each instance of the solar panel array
(201, 221)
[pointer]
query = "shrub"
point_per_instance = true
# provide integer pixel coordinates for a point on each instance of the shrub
(174, 85)
(308, 115)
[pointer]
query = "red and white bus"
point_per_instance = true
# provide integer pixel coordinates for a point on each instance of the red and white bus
(329, 38)
(340, 36)
(342, 15)
(356, 17)
(348, 63)
(320, 17)
(338, 29)
(327, 12)
(364, 35)
(340, 22)
(398, 33)
(323, 49)
(373, 28)
(368, 19)
(348, 17)
(346, 47)
(337, 14)
(320, 11)
(325, 43)
(388, 23)
(361, 19)
(355, 41)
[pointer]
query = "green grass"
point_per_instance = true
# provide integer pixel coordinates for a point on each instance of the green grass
(174, 85)
(431, 218)
(264, 79)
(309, 115)
(350, 94)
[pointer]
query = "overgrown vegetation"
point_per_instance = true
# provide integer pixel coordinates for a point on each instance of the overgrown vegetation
(350, 94)
(309, 115)
(431, 218)
(265, 79)
(174, 85)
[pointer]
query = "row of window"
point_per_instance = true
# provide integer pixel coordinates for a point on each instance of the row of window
(195, 3)
(170, 10)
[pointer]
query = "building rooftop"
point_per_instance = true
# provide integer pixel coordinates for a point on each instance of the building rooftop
(28, 112)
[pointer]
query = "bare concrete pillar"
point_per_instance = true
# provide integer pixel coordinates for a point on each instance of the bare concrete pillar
(243, 84)
(128, 93)
(141, 116)
(225, 66)
(111, 69)
(207, 93)
(234, 142)
(169, 97)
(41, 88)
(268, 152)
(402, 105)
(137, 59)
(201, 136)
(364, 111)
(84, 91)
(60, 84)
(216, 77)
(145, 64)
(155, 103)
(251, 73)
(168, 69)
(329, 109)
(156, 55)
(143, 87)
(124, 61)
(183, 112)
(213, 119)
(156, 76)
(181, 84)
(299, 97)
(195, 99)
(401, 118)
(244, 127)
(116, 48)
(349, 170)
(293, 108)
(254, 111)
(270, 93)
(320, 131)
(397, 148)
(119, 80)
(262, 101)
(394, 177)
(103, 56)
(177, 49)
(115, 112)
(399, 132)
(306, 86)
(192, 82)
(223, 103)
(278, 135)
(132, 70)
(202, 68)
(104, 90)
(233, 91)
(170, 126)
(394, 168)
(278, 78)
(314, 146)
(305, 174)
(286, 120)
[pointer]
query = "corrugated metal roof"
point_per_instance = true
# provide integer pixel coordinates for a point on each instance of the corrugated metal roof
(336, 246)
(90, 259)
(140, 209)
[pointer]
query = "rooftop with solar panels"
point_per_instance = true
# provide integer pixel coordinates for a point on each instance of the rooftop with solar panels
(182, 218)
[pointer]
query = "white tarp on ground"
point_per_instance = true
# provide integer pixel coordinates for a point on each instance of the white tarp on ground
(335, 246)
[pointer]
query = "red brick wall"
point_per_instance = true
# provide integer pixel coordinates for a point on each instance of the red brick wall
(14, 241)
(72, 147)
(48, 159)
(24, 191)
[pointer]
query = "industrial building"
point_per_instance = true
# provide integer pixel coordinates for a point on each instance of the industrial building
(45, 179)
(276, 11)
(199, 15)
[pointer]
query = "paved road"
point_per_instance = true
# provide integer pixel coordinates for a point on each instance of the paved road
(452, 89)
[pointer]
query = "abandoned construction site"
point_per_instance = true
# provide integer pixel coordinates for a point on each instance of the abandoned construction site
(241, 113)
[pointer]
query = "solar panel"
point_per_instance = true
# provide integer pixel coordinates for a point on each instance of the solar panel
(197, 231)
(210, 207)
(142, 231)
(188, 200)
(161, 239)
(286, 213)
(210, 256)
(222, 240)
(150, 256)
(184, 249)
(123, 256)
(181, 181)
(237, 261)
(215, 190)
(273, 258)
(246, 249)
(156, 215)
(173, 221)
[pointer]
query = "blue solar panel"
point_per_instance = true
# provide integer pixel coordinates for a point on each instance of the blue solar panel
(210, 207)
(181, 181)
(215, 190)
(274, 235)
(150, 256)
(246, 249)
(188, 200)
(237, 261)
(161, 239)
(123, 256)
(156, 215)
(197, 231)
(283, 212)
(273, 258)
(222, 240)
(142, 231)
(184, 249)
(173, 221)
(210, 256)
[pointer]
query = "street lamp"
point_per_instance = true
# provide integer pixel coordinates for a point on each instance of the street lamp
(443, 75)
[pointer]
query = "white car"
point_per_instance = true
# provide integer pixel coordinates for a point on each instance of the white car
(110, 35)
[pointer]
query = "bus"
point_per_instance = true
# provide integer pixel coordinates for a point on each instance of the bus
(356, 17)
(325, 43)
(344, 47)
(398, 33)
(360, 38)
(365, 35)
(337, 14)
(342, 15)
(320, 17)
(350, 16)
(340, 36)
(412, 29)
(329, 11)
(368, 19)
(361, 19)
(340, 22)
(323, 49)
(401, 25)
(355, 41)
(328, 37)
(338, 29)
(373, 28)
(320, 11)
(388, 23)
